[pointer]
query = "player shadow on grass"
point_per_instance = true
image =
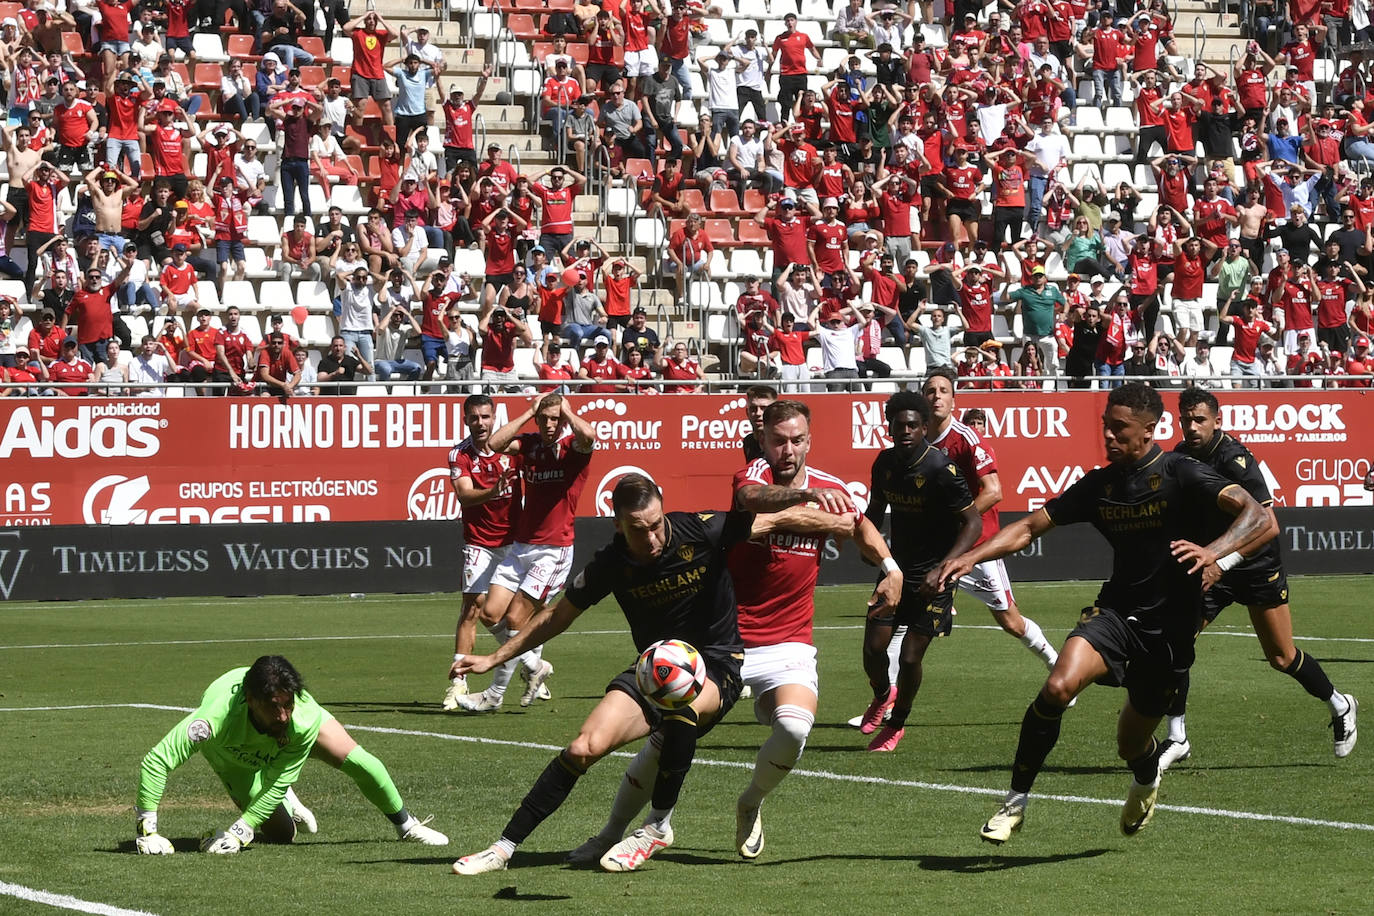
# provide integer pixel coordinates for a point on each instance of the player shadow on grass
(970, 865)
(192, 844)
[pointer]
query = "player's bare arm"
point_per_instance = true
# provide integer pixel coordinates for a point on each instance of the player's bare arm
(873, 548)
(970, 527)
(504, 438)
(775, 498)
(470, 495)
(1016, 536)
(989, 493)
(584, 437)
(1253, 527)
(803, 520)
(546, 623)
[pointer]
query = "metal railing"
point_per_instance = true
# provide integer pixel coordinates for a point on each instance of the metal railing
(722, 382)
(1199, 31)
(479, 125)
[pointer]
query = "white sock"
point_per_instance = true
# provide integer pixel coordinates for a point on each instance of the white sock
(779, 753)
(532, 658)
(1337, 702)
(1034, 639)
(292, 802)
(505, 847)
(498, 630)
(1178, 730)
(636, 787)
(894, 653)
(658, 819)
(501, 675)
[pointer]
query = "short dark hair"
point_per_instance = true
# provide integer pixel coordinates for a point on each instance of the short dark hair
(779, 411)
(1189, 398)
(271, 675)
(634, 492)
(477, 400)
(1139, 398)
(974, 415)
(761, 393)
(944, 372)
(907, 400)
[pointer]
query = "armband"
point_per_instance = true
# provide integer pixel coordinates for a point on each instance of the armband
(1232, 559)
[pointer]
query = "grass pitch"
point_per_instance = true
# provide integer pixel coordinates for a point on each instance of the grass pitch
(848, 831)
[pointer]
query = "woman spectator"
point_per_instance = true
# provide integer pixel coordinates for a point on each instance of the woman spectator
(1028, 367)
(634, 370)
(1084, 252)
(375, 238)
(460, 350)
(327, 159)
(109, 372)
(269, 81)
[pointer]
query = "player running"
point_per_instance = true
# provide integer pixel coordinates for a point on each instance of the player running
(1148, 504)
(934, 519)
(775, 585)
(1256, 580)
(668, 572)
(488, 488)
(255, 727)
(989, 583)
(554, 467)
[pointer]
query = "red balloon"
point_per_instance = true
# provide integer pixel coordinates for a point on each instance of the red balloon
(571, 276)
(299, 314)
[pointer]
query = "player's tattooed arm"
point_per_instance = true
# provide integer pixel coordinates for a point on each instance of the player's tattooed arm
(774, 498)
(1252, 528)
(803, 520)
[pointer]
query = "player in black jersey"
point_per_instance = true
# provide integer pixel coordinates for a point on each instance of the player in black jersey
(933, 521)
(668, 572)
(1254, 579)
(1151, 507)
(756, 400)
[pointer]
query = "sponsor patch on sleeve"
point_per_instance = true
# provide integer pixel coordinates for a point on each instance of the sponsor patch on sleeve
(199, 730)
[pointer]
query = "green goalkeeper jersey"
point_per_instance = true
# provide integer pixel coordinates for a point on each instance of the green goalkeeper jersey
(221, 731)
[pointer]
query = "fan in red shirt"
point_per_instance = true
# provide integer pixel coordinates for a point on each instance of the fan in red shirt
(828, 241)
(681, 367)
(370, 35)
(71, 367)
(92, 311)
(787, 231)
(801, 163)
(1360, 366)
(960, 184)
(75, 122)
(789, 50)
(689, 250)
(601, 365)
(1107, 47)
(1246, 329)
(974, 283)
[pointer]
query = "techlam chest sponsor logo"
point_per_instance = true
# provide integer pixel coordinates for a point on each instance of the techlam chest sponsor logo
(614, 432)
(431, 497)
(607, 486)
(119, 500)
(725, 430)
(115, 430)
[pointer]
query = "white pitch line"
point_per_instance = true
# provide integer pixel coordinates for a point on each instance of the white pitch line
(814, 774)
(66, 902)
(1244, 633)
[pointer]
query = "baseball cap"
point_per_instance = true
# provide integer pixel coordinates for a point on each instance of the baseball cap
(110, 175)
(69, 342)
(180, 246)
(492, 146)
(640, 310)
(601, 342)
(830, 202)
(787, 202)
(10, 20)
(1362, 341)
(1037, 270)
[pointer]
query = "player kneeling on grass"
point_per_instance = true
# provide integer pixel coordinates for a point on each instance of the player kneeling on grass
(1152, 507)
(668, 572)
(256, 727)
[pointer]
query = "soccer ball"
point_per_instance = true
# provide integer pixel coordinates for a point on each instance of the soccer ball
(670, 673)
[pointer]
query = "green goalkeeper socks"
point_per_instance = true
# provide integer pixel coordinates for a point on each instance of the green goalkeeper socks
(375, 782)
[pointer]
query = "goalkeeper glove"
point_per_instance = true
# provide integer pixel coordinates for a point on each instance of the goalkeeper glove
(229, 841)
(146, 838)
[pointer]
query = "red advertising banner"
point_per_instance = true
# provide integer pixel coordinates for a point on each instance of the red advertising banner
(244, 460)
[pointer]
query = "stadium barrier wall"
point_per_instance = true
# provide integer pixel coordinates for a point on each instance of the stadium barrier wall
(82, 562)
(187, 461)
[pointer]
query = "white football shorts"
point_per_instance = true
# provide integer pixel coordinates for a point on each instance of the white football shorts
(538, 571)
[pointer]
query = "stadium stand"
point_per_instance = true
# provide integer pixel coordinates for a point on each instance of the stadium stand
(511, 171)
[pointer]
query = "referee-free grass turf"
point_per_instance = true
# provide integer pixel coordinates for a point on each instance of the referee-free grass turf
(848, 832)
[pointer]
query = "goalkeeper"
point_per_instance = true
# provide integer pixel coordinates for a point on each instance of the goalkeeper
(256, 727)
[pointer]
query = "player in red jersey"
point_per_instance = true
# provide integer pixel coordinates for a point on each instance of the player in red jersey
(775, 583)
(555, 468)
(488, 488)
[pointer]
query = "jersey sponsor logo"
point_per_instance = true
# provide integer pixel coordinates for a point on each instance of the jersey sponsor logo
(721, 432)
(431, 498)
(686, 552)
(198, 731)
(116, 430)
(617, 433)
(602, 500)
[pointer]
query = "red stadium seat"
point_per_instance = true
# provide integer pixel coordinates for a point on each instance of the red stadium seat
(522, 26)
(207, 77)
(344, 75)
(314, 46)
(240, 47)
(577, 50)
(751, 233)
(71, 43)
(725, 203)
(722, 232)
(312, 77)
(754, 200)
(692, 198)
